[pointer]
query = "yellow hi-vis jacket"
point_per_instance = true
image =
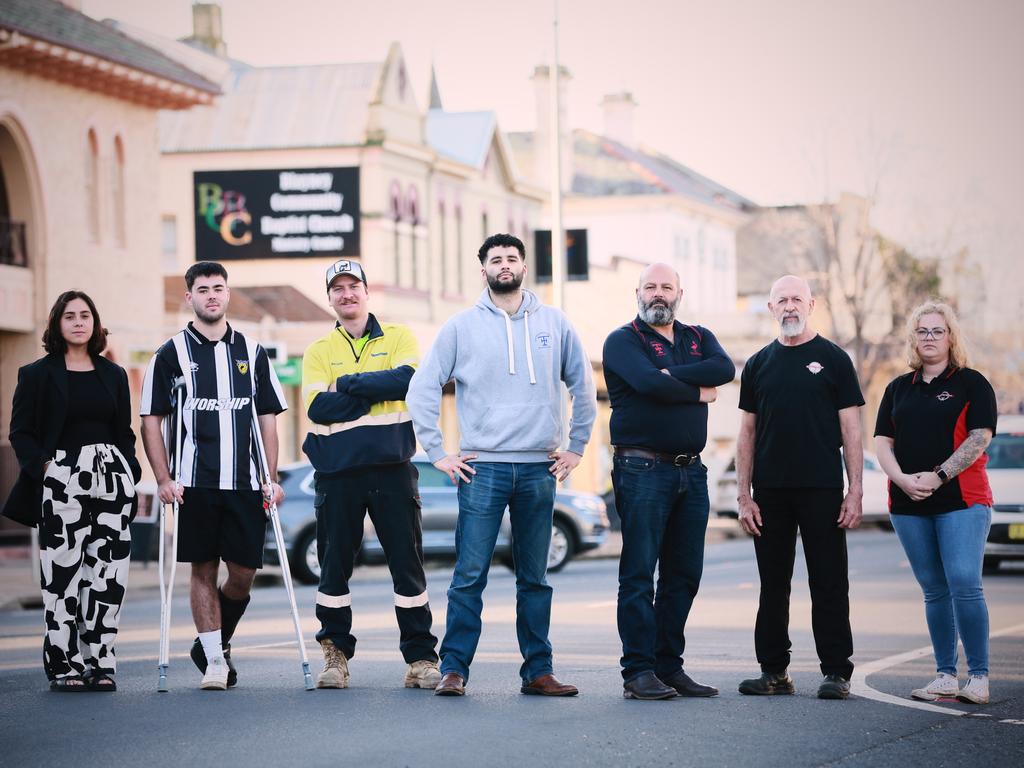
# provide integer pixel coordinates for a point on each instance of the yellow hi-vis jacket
(361, 420)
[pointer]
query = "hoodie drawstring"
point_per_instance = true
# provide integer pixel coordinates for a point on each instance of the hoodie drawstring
(529, 353)
(511, 348)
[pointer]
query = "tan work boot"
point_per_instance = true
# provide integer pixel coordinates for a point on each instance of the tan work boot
(335, 672)
(423, 674)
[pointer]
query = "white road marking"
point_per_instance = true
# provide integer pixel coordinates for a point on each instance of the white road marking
(859, 686)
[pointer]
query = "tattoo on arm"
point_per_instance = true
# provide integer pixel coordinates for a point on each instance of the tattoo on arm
(968, 452)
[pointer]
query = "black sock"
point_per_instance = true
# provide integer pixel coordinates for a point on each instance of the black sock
(230, 614)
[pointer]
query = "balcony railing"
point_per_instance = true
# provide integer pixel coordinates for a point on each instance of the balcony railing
(12, 243)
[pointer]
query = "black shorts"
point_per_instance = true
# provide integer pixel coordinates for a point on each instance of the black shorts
(229, 525)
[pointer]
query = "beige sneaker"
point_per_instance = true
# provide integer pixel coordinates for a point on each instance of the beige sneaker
(975, 691)
(216, 677)
(944, 686)
(335, 672)
(423, 674)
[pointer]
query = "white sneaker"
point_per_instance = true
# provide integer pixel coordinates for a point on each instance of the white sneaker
(975, 691)
(423, 674)
(943, 686)
(216, 677)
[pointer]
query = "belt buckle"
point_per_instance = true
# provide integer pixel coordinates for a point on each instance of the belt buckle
(683, 460)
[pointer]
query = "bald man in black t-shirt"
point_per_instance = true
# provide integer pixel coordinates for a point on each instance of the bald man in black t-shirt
(801, 401)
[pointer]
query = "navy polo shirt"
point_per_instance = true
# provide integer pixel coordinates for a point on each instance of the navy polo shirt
(654, 410)
(927, 422)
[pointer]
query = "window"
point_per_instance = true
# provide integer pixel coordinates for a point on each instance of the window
(458, 248)
(169, 243)
(576, 251)
(92, 181)
(485, 230)
(117, 191)
(413, 210)
(396, 217)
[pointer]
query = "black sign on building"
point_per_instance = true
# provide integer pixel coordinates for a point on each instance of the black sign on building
(577, 263)
(268, 214)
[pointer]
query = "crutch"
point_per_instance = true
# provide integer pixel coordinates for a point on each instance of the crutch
(282, 554)
(172, 432)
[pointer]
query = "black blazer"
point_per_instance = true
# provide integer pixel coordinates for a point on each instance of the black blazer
(37, 420)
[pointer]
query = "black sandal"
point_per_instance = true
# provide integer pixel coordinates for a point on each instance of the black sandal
(100, 681)
(71, 684)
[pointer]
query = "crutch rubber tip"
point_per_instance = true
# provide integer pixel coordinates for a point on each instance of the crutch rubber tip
(307, 676)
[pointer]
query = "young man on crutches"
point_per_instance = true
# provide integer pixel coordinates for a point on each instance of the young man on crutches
(220, 498)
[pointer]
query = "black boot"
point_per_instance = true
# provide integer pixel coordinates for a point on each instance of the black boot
(647, 687)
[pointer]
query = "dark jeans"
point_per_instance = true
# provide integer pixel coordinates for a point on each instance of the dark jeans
(391, 497)
(664, 514)
(814, 512)
(528, 490)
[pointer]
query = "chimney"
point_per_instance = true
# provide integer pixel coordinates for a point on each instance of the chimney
(542, 134)
(618, 117)
(207, 29)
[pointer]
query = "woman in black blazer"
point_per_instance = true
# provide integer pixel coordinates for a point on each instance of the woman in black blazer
(71, 431)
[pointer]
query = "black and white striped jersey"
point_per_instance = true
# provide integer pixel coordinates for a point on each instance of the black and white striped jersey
(222, 379)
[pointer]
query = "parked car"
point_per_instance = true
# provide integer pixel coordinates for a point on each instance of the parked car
(1006, 476)
(580, 523)
(876, 492)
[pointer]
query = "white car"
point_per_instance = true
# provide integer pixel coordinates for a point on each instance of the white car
(876, 492)
(1006, 476)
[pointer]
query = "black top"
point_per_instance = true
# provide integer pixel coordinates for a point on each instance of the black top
(653, 410)
(41, 401)
(223, 377)
(928, 422)
(797, 393)
(90, 416)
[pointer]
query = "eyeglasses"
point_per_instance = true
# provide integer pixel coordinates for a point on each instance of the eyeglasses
(935, 333)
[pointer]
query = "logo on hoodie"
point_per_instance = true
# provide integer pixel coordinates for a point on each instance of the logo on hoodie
(543, 340)
(659, 348)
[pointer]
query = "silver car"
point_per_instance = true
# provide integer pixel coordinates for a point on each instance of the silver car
(580, 523)
(1006, 476)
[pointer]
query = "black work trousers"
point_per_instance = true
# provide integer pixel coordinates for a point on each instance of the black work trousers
(814, 513)
(389, 493)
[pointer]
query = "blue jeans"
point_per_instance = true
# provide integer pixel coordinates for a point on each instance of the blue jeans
(528, 490)
(664, 514)
(946, 553)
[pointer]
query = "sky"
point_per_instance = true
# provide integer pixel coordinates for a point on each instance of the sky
(783, 101)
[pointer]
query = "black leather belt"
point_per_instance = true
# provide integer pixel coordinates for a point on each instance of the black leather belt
(677, 459)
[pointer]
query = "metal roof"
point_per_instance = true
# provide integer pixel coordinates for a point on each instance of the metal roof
(56, 23)
(279, 107)
(462, 136)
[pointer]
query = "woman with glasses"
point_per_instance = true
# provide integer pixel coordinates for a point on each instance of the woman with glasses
(933, 426)
(71, 431)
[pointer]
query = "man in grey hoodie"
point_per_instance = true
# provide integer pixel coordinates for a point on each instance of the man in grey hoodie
(509, 356)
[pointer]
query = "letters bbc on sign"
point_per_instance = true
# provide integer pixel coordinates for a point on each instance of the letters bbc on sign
(277, 213)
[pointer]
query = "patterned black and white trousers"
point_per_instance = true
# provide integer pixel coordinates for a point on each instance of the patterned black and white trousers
(84, 548)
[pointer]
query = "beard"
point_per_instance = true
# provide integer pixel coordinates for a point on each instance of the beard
(210, 317)
(792, 326)
(508, 286)
(658, 312)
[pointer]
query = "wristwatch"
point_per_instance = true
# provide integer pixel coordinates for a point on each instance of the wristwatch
(942, 474)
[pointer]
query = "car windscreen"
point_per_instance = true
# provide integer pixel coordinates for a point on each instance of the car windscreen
(1006, 451)
(431, 476)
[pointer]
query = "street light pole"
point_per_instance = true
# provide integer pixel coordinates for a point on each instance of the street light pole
(557, 234)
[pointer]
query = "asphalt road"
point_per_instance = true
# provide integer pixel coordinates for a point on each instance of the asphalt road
(270, 720)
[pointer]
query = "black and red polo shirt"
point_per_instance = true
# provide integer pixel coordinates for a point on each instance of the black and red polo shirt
(927, 422)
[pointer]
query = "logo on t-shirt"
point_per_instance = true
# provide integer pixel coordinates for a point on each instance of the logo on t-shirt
(693, 348)
(543, 340)
(944, 395)
(815, 367)
(193, 367)
(242, 366)
(659, 348)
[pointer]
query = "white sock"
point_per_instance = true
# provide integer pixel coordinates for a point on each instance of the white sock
(211, 645)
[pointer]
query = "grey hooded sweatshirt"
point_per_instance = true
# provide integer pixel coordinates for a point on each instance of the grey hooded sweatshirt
(508, 372)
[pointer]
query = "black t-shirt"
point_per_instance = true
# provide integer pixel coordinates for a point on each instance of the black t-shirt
(797, 393)
(91, 412)
(928, 422)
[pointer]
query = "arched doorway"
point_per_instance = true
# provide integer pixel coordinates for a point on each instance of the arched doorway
(21, 274)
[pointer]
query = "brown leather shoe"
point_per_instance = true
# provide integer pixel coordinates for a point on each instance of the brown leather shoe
(548, 685)
(451, 685)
